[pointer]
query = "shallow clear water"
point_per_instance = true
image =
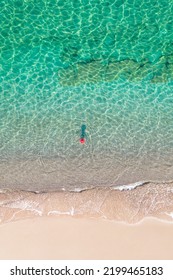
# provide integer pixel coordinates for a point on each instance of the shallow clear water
(105, 64)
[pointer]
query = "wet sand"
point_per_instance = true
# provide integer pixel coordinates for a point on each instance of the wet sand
(99, 223)
(85, 238)
(131, 206)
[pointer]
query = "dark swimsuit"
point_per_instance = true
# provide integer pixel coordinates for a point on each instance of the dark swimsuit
(83, 134)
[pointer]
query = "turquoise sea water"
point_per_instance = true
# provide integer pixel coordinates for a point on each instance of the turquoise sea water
(104, 64)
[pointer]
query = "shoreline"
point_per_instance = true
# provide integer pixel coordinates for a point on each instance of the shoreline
(130, 206)
(92, 224)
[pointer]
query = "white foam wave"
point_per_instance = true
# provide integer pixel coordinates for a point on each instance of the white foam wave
(25, 205)
(170, 214)
(56, 212)
(129, 187)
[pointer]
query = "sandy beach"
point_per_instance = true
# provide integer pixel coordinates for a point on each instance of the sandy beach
(92, 224)
(84, 238)
(128, 205)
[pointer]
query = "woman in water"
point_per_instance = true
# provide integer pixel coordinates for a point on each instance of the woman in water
(83, 134)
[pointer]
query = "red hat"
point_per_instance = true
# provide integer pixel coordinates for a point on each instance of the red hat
(82, 140)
